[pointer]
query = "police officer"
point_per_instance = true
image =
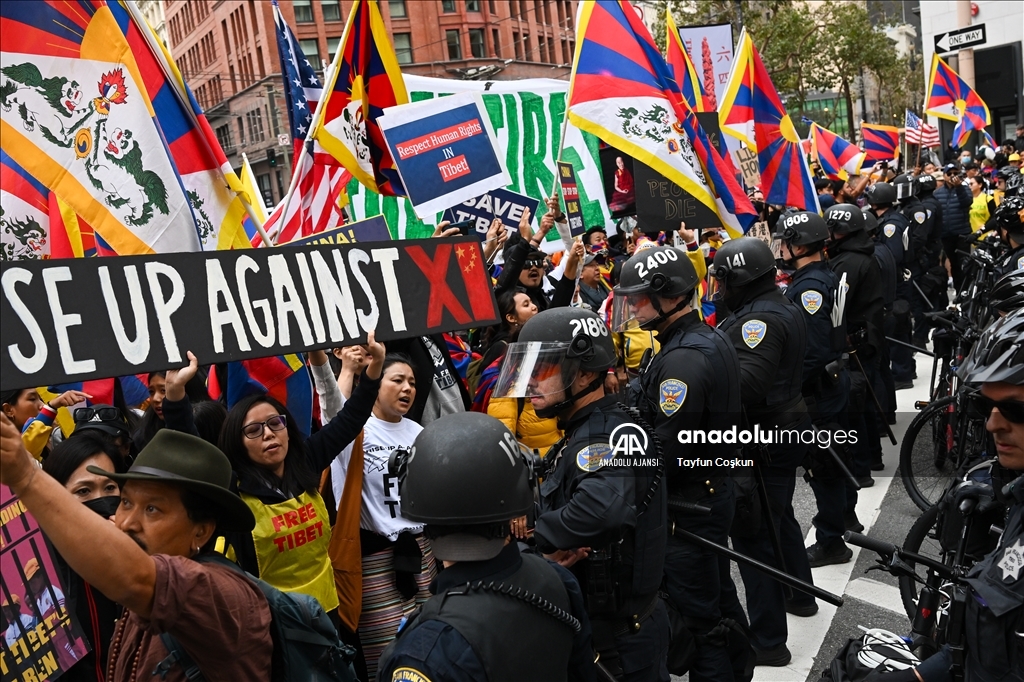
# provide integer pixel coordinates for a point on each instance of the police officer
(851, 253)
(1009, 219)
(994, 620)
(826, 381)
(602, 504)
(929, 272)
(885, 388)
(895, 232)
(770, 337)
(691, 384)
(496, 613)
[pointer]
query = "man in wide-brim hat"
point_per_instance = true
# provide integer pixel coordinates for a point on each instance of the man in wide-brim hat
(174, 500)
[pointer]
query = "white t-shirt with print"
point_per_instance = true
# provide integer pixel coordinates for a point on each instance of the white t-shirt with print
(381, 509)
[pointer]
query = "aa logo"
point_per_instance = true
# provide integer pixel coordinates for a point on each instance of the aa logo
(629, 440)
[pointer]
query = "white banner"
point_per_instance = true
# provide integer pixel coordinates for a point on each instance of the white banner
(710, 47)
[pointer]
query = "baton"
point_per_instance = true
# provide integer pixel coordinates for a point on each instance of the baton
(839, 461)
(881, 414)
(910, 346)
(920, 291)
(603, 673)
(775, 573)
(773, 532)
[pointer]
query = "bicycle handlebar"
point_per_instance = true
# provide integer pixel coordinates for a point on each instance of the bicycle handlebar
(887, 550)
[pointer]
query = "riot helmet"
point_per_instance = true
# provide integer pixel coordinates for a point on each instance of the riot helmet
(870, 221)
(998, 355)
(801, 228)
(1007, 294)
(465, 477)
(925, 183)
(1010, 218)
(843, 220)
(651, 275)
(553, 348)
(880, 194)
(739, 262)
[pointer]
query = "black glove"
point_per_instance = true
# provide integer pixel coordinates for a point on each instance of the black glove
(978, 497)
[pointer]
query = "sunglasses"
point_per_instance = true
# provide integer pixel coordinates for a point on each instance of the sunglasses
(104, 414)
(980, 407)
(255, 429)
(534, 263)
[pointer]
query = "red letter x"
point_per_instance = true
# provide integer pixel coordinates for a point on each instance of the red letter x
(441, 295)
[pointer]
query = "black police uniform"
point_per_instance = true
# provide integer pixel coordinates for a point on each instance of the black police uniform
(826, 388)
(854, 257)
(693, 383)
(770, 337)
(901, 241)
(929, 274)
(463, 634)
(885, 388)
(1011, 262)
(994, 622)
(620, 515)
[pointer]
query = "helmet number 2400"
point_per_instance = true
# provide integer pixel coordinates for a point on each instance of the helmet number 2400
(661, 256)
(591, 326)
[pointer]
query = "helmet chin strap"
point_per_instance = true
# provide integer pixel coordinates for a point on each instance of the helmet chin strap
(653, 323)
(558, 408)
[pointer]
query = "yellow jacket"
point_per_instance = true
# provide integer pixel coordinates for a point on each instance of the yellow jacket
(530, 430)
(36, 432)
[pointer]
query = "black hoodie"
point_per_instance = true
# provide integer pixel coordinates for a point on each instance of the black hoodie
(854, 256)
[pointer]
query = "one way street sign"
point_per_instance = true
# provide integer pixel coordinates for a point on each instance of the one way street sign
(960, 39)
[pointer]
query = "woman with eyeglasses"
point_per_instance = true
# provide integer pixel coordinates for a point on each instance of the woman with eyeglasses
(278, 475)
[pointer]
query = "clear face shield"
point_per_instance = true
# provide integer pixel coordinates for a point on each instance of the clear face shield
(536, 369)
(629, 311)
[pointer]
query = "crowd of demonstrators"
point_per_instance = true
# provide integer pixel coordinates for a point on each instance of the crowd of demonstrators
(695, 330)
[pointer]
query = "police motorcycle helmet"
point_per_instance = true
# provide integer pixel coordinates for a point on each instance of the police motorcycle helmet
(464, 477)
(738, 262)
(652, 275)
(843, 220)
(881, 194)
(998, 356)
(925, 183)
(1007, 294)
(1010, 217)
(554, 347)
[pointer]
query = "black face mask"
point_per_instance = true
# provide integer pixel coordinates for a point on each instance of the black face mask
(104, 506)
(785, 266)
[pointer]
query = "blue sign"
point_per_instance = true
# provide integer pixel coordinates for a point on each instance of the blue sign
(444, 150)
(373, 229)
(498, 203)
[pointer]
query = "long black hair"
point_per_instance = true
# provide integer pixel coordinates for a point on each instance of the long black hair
(298, 475)
(69, 454)
(150, 422)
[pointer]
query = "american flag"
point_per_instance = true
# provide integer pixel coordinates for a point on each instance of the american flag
(919, 132)
(321, 188)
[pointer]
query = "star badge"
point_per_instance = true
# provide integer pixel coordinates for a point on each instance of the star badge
(1012, 561)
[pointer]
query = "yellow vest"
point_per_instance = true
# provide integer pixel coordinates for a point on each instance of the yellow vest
(291, 540)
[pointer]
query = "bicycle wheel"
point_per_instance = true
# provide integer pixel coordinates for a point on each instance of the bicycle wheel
(922, 539)
(927, 453)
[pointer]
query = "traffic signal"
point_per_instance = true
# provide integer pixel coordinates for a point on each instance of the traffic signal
(272, 158)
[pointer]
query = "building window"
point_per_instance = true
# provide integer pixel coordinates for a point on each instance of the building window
(263, 180)
(476, 43)
(496, 42)
(472, 5)
(447, 6)
(241, 131)
(396, 8)
(493, 7)
(454, 44)
(527, 52)
(332, 47)
(331, 10)
(517, 46)
(224, 137)
(311, 49)
(254, 122)
(403, 48)
(303, 11)
(513, 9)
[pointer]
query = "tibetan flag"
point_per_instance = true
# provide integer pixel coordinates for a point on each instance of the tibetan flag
(838, 158)
(624, 93)
(366, 80)
(96, 120)
(284, 377)
(949, 97)
(752, 112)
(881, 143)
(682, 66)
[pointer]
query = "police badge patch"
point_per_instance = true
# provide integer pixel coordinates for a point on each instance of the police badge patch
(1020, 263)
(811, 301)
(673, 393)
(920, 217)
(408, 675)
(889, 230)
(753, 332)
(1012, 561)
(593, 457)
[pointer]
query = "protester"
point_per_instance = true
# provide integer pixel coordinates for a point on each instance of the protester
(153, 418)
(97, 615)
(174, 501)
(109, 423)
(955, 200)
(34, 418)
(982, 205)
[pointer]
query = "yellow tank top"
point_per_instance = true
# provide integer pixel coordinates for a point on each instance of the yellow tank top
(291, 540)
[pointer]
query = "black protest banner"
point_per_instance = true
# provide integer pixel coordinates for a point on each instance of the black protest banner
(571, 196)
(79, 319)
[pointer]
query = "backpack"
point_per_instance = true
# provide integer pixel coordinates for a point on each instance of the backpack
(306, 644)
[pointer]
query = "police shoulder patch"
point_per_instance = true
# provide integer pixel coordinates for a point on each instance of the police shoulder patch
(889, 230)
(753, 332)
(592, 458)
(673, 393)
(920, 217)
(408, 675)
(1020, 263)
(811, 301)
